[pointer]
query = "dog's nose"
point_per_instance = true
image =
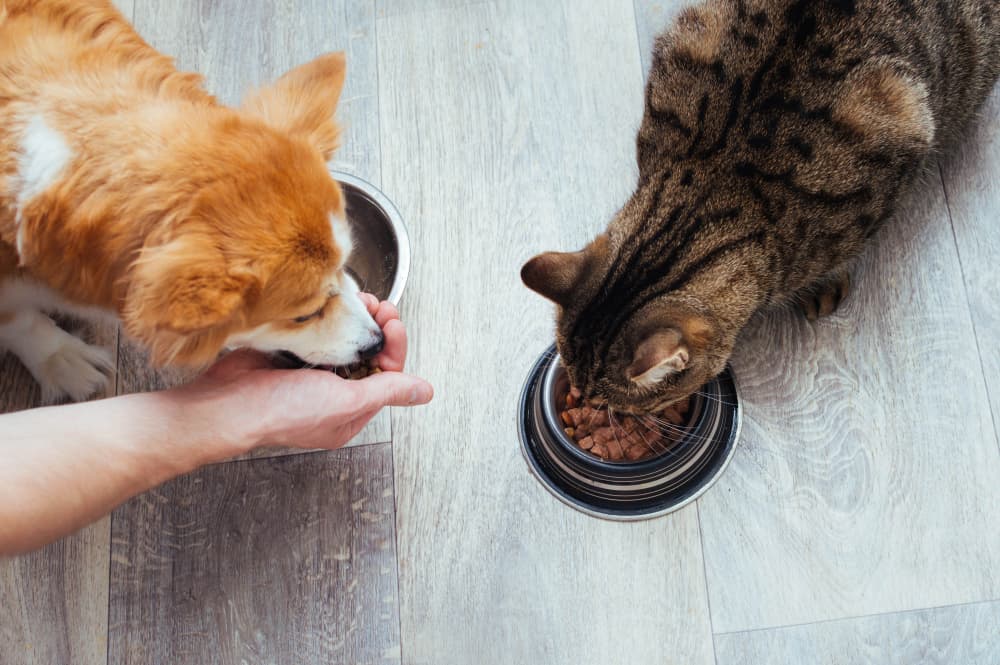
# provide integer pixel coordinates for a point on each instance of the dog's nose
(370, 352)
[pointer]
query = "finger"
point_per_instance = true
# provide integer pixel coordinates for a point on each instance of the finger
(393, 356)
(386, 312)
(370, 301)
(238, 362)
(392, 389)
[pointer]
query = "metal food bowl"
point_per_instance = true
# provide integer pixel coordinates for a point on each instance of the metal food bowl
(626, 491)
(380, 260)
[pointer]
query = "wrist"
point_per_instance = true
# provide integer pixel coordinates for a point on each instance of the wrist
(199, 427)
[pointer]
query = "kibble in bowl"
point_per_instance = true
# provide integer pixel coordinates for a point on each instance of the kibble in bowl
(619, 437)
(578, 452)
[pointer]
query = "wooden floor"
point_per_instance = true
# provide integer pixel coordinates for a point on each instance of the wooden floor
(858, 522)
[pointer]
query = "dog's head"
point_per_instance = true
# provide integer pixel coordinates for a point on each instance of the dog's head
(251, 250)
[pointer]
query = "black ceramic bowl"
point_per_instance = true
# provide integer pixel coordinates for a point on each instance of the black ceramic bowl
(626, 490)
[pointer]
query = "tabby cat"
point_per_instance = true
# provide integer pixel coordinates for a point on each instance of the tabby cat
(778, 136)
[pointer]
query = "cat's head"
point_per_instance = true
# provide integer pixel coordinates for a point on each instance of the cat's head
(639, 354)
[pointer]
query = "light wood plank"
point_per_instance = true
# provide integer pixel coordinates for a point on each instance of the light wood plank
(867, 480)
(288, 560)
(398, 8)
(239, 45)
(126, 7)
(653, 17)
(963, 635)
(518, 138)
(973, 191)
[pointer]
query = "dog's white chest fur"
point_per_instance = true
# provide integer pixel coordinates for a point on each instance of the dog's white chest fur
(44, 156)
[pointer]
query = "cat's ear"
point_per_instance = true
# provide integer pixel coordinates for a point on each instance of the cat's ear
(668, 351)
(555, 275)
(658, 356)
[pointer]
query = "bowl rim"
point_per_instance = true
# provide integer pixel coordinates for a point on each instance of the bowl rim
(612, 515)
(396, 224)
(643, 466)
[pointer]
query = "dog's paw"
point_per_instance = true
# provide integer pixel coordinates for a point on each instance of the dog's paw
(75, 370)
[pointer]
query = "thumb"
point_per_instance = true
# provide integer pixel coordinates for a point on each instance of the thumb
(393, 389)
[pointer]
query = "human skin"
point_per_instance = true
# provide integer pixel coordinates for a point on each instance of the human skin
(67, 466)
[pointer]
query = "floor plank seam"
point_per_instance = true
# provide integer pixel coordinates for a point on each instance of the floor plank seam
(704, 570)
(968, 304)
(392, 447)
(859, 617)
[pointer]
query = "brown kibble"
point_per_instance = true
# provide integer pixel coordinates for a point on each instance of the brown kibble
(615, 451)
(358, 370)
(599, 418)
(671, 415)
(603, 435)
(636, 453)
(588, 423)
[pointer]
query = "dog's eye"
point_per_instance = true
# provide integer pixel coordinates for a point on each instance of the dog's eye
(309, 317)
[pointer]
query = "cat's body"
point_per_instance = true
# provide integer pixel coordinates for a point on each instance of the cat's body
(778, 136)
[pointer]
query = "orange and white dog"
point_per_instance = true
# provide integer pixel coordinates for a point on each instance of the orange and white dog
(128, 191)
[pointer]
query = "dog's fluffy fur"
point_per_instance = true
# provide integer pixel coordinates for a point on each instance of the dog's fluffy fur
(127, 190)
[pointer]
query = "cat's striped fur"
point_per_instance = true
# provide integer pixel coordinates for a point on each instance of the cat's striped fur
(778, 136)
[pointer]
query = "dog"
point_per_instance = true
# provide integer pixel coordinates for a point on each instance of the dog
(127, 192)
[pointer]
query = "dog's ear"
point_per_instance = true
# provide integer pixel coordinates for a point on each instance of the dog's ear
(303, 101)
(183, 299)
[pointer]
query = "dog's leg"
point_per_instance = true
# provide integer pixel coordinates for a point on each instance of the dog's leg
(63, 365)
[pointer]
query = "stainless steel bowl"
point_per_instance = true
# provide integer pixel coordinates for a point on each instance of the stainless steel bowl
(380, 260)
(626, 491)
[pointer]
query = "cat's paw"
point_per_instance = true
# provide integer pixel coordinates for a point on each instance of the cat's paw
(826, 297)
(74, 369)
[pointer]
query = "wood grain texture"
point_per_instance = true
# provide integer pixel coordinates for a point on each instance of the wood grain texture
(973, 191)
(54, 602)
(519, 139)
(126, 7)
(287, 560)
(240, 45)
(962, 635)
(867, 480)
(386, 8)
(653, 17)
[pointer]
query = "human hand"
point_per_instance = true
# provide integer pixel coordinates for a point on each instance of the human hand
(246, 403)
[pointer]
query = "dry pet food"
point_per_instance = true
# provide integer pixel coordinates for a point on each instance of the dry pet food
(622, 437)
(358, 370)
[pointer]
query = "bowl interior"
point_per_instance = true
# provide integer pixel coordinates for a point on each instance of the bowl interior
(379, 260)
(554, 386)
(626, 491)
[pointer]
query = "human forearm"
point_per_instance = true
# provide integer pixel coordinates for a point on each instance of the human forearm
(64, 467)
